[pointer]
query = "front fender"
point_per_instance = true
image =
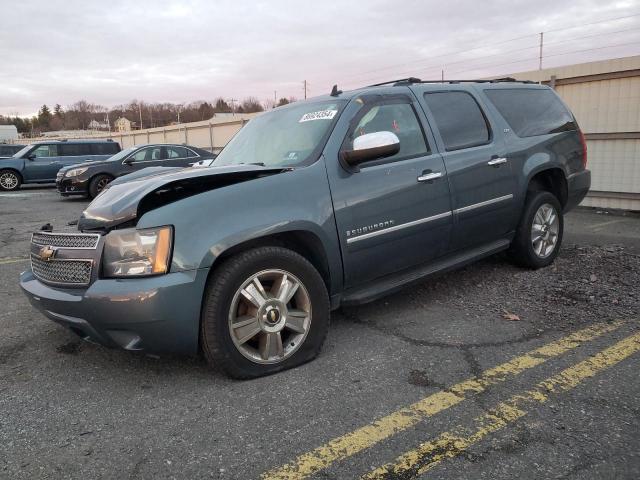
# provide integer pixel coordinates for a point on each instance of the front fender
(209, 223)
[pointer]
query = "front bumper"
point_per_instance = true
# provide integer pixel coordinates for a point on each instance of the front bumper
(72, 186)
(578, 186)
(156, 314)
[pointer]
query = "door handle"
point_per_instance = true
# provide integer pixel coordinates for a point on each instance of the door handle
(427, 177)
(494, 162)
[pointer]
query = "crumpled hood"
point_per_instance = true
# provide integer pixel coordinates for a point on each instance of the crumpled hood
(125, 202)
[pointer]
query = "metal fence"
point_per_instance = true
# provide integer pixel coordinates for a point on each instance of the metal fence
(211, 135)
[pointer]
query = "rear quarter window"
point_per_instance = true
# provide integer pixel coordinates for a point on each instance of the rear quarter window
(532, 111)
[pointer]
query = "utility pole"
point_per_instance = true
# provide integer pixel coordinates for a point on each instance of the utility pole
(275, 99)
(540, 58)
(232, 101)
(442, 76)
(305, 89)
(140, 110)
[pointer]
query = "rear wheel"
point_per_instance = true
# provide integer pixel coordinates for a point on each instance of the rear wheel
(265, 310)
(10, 180)
(98, 183)
(539, 234)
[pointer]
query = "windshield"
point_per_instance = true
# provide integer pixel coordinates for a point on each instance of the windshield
(289, 136)
(22, 151)
(122, 153)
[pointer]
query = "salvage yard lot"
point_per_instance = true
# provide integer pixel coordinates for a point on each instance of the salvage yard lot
(405, 386)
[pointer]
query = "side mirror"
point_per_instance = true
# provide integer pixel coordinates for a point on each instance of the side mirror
(31, 156)
(371, 146)
(127, 161)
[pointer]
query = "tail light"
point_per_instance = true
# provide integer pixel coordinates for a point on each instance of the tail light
(583, 141)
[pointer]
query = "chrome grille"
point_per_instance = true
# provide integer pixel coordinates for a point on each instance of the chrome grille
(72, 272)
(66, 240)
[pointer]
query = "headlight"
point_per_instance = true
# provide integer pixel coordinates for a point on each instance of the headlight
(74, 172)
(135, 253)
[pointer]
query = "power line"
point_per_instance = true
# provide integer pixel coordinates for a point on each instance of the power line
(477, 67)
(491, 45)
(421, 70)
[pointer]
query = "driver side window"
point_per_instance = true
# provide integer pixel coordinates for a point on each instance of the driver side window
(46, 151)
(398, 118)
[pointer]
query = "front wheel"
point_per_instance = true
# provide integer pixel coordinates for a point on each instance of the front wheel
(539, 234)
(97, 184)
(265, 310)
(9, 180)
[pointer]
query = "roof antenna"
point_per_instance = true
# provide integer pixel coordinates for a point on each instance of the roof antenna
(335, 92)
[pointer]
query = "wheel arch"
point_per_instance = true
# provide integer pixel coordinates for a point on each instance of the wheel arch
(550, 179)
(14, 170)
(305, 243)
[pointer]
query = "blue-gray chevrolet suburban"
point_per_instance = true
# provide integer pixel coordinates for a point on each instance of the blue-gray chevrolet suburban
(323, 203)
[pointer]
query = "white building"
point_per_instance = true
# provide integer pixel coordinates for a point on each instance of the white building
(123, 124)
(8, 133)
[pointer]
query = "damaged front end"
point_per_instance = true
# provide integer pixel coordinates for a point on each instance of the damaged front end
(122, 204)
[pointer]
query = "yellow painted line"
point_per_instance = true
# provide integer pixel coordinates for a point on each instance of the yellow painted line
(449, 444)
(364, 437)
(5, 261)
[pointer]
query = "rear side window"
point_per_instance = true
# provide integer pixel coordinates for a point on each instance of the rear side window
(74, 149)
(459, 119)
(178, 152)
(107, 148)
(532, 111)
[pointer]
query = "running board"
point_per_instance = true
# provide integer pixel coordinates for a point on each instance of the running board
(391, 283)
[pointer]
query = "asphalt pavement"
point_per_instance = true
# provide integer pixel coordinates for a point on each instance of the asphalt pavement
(489, 372)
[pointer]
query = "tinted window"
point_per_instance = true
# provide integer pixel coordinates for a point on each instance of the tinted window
(459, 119)
(398, 118)
(46, 151)
(147, 154)
(71, 150)
(530, 111)
(5, 150)
(107, 148)
(178, 152)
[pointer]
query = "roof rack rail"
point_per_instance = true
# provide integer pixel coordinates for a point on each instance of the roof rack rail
(412, 80)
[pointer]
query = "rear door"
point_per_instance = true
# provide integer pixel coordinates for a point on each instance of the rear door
(43, 164)
(180, 156)
(74, 153)
(389, 219)
(479, 170)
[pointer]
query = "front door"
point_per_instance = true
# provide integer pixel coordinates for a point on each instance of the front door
(42, 163)
(480, 175)
(143, 158)
(394, 213)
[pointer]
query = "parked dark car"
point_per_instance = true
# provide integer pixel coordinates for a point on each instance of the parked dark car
(333, 201)
(89, 179)
(10, 150)
(40, 161)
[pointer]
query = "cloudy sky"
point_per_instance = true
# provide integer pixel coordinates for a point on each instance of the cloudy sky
(110, 52)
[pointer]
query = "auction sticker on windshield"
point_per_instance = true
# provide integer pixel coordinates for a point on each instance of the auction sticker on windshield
(321, 115)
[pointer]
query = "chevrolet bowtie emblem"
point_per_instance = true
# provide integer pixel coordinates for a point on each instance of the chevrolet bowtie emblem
(47, 253)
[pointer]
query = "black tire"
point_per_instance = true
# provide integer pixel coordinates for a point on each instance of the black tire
(10, 180)
(217, 345)
(522, 251)
(97, 183)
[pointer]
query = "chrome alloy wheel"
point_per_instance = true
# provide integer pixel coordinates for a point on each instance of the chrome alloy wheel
(545, 229)
(8, 180)
(270, 316)
(101, 184)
